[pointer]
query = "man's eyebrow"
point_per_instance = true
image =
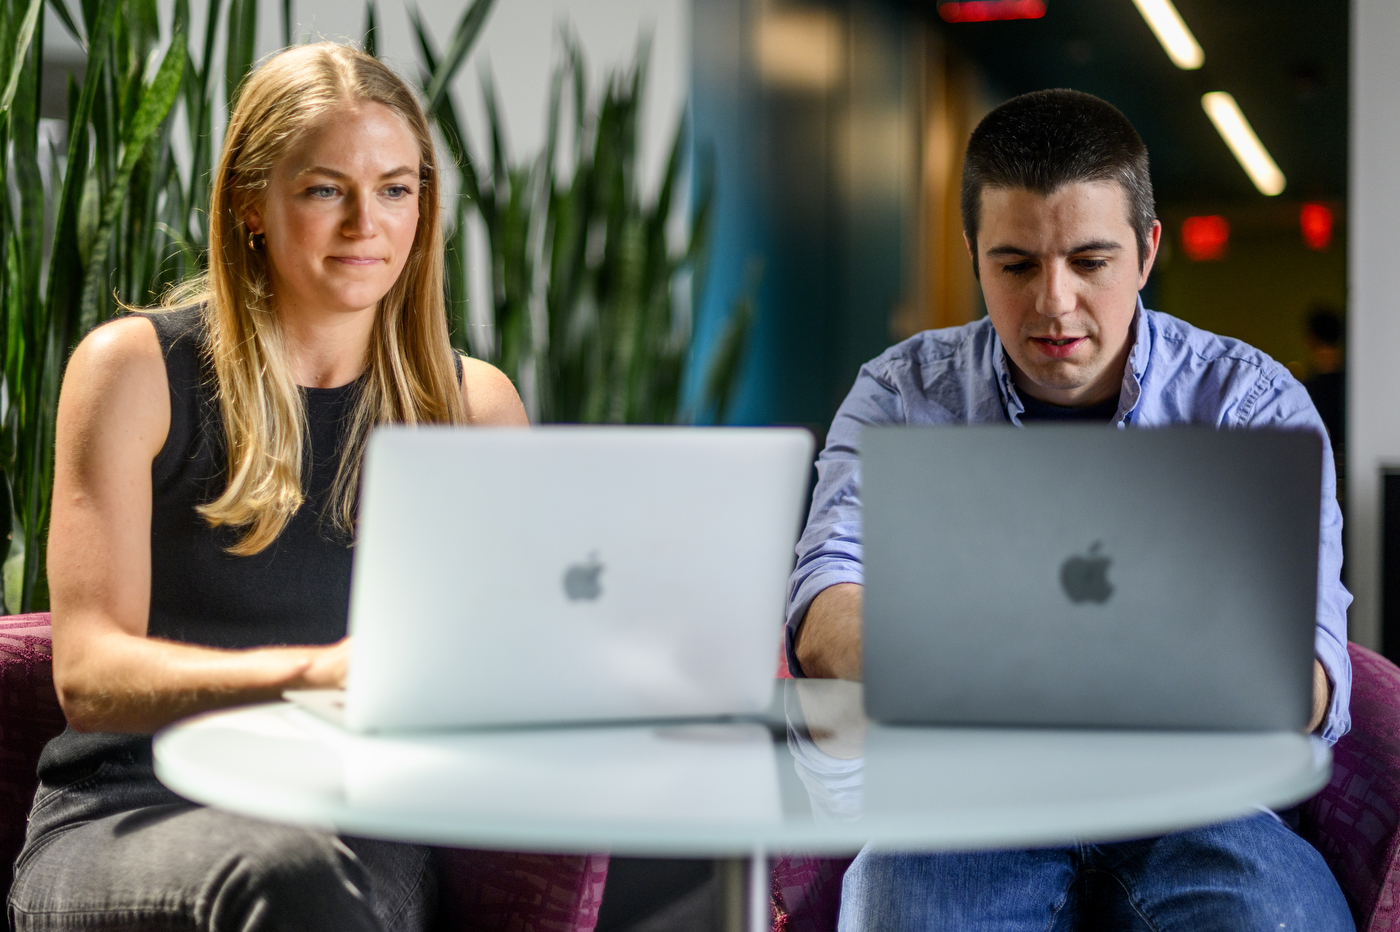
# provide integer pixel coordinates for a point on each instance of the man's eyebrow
(1098, 245)
(333, 173)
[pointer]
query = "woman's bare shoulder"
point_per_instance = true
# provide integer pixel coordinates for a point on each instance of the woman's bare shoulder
(118, 368)
(118, 349)
(489, 397)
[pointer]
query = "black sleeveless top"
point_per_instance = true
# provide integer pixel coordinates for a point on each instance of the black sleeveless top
(296, 591)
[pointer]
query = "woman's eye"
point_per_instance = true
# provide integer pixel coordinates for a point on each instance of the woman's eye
(398, 192)
(322, 192)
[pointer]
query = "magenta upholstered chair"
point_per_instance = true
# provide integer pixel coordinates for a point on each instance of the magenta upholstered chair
(1354, 821)
(482, 891)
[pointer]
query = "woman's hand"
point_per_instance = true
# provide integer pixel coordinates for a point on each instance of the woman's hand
(325, 666)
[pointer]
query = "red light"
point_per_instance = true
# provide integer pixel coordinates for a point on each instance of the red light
(1316, 223)
(981, 11)
(1205, 238)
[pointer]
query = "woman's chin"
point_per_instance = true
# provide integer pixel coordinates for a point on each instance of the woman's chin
(338, 304)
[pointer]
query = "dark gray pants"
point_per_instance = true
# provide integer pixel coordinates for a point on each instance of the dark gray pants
(117, 850)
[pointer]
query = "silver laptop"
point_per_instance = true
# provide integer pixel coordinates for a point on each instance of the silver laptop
(508, 576)
(1084, 576)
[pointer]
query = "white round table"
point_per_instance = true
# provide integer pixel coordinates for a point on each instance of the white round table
(820, 779)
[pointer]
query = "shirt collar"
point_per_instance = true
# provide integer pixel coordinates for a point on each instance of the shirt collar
(1136, 369)
(1133, 372)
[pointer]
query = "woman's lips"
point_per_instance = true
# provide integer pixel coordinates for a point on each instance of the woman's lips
(1057, 348)
(356, 260)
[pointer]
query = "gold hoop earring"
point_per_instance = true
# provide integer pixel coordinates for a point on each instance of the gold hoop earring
(256, 241)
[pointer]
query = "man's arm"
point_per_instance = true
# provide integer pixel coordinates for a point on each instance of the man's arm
(829, 551)
(1285, 404)
(828, 641)
(1322, 696)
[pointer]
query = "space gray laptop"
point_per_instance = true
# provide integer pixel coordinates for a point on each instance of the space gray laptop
(1076, 575)
(565, 574)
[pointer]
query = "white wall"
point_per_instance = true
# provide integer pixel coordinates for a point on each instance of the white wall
(1373, 387)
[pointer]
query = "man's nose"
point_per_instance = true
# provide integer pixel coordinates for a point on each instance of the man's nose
(1057, 295)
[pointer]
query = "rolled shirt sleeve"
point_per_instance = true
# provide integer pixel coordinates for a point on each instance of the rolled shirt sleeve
(829, 551)
(1284, 403)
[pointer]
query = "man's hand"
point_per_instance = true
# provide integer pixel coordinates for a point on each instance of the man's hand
(828, 642)
(1322, 695)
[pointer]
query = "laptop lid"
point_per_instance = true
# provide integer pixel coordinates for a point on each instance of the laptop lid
(1077, 575)
(505, 576)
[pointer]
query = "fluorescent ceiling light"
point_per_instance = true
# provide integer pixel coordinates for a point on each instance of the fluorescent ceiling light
(1182, 47)
(1239, 136)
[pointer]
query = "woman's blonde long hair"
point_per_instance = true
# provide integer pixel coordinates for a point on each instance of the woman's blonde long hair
(410, 375)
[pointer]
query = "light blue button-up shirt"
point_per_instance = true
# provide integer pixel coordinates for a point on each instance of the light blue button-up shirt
(1176, 374)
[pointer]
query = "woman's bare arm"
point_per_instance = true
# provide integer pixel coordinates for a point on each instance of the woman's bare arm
(113, 416)
(488, 396)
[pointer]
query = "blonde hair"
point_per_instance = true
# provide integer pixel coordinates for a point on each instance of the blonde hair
(410, 374)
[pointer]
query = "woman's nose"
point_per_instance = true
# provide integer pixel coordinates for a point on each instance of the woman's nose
(360, 222)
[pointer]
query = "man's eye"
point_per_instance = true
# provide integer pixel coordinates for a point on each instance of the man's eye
(1091, 265)
(1017, 268)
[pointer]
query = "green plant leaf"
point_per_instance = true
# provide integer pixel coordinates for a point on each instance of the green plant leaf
(242, 36)
(155, 105)
(65, 271)
(371, 29)
(89, 217)
(21, 52)
(444, 112)
(60, 8)
(463, 38)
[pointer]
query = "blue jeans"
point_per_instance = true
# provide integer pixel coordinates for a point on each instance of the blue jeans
(116, 850)
(1250, 874)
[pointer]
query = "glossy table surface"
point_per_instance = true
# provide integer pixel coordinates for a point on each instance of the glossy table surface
(814, 777)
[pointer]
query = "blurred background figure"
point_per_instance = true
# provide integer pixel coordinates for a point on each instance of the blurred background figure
(1326, 379)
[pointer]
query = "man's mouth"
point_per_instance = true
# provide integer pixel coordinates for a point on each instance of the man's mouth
(1057, 347)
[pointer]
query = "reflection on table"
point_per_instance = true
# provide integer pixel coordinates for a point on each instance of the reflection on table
(814, 776)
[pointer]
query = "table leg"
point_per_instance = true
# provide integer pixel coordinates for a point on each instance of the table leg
(743, 893)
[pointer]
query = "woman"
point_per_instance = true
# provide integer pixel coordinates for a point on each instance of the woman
(207, 465)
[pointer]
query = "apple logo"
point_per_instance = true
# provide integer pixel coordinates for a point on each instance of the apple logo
(1085, 578)
(581, 580)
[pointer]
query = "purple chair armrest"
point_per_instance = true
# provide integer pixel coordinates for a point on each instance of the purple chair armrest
(497, 891)
(1355, 820)
(29, 717)
(807, 893)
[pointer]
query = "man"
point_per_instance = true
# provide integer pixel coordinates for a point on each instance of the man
(1061, 228)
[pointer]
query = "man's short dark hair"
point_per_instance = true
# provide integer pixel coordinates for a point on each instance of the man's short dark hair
(1045, 140)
